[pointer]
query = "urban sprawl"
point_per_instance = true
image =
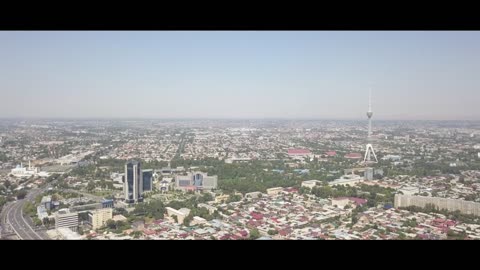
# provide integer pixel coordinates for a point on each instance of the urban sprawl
(239, 179)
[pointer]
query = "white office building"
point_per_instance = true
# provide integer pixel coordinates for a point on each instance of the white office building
(66, 219)
(349, 179)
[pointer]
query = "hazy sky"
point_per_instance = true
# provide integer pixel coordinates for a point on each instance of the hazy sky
(414, 75)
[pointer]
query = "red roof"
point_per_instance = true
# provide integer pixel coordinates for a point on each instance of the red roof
(331, 153)
(450, 223)
(148, 232)
(357, 201)
(225, 237)
(353, 155)
(439, 220)
(423, 236)
(291, 189)
(298, 151)
(284, 232)
(253, 223)
(257, 216)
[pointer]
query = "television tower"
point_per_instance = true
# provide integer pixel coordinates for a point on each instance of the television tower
(369, 148)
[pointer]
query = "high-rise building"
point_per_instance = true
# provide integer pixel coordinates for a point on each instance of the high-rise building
(369, 174)
(147, 180)
(66, 219)
(133, 182)
(99, 217)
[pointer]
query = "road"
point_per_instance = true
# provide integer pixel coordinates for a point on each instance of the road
(20, 225)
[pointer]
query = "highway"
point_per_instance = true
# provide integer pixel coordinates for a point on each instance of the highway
(13, 214)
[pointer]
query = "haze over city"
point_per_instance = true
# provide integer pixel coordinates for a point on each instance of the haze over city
(321, 75)
(239, 135)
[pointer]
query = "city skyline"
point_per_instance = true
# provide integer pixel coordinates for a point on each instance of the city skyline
(240, 75)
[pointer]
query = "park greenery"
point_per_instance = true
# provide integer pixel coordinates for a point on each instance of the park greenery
(453, 235)
(3, 201)
(374, 195)
(156, 209)
(29, 209)
(116, 226)
(21, 194)
(254, 234)
(3, 157)
(256, 175)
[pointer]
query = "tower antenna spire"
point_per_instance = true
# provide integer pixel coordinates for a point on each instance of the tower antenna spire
(369, 148)
(370, 100)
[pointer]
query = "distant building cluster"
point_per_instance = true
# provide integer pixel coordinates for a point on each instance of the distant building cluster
(299, 152)
(24, 172)
(349, 179)
(195, 181)
(465, 207)
(311, 183)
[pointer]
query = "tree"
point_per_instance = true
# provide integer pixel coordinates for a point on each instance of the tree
(303, 190)
(187, 220)
(234, 198)
(38, 199)
(111, 224)
(21, 194)
(36, 221)
(46, 222)
(272, 232)
(120, 211)
(90, 185)
(254, 234)
(207, 197)
(136, 234)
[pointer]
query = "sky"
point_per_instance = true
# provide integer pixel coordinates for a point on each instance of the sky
(424, 75)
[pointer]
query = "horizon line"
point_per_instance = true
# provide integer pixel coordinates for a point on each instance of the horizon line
(232, 118)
